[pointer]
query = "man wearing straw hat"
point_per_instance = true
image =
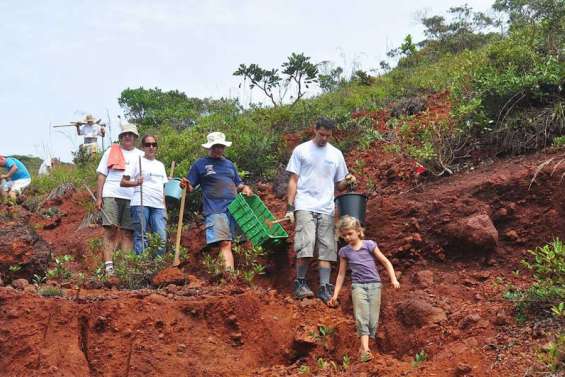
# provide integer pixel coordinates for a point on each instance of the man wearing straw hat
(114, 200)
(90, 129)
(220, 182)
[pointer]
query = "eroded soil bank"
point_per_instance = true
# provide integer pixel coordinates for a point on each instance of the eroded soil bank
(457, 243)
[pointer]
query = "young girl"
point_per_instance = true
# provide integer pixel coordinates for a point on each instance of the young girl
(366, 285)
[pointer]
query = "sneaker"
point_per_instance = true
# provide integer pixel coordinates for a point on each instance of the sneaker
(325, 293)
(301, 289)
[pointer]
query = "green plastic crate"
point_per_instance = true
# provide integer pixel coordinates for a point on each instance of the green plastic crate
(251, 214)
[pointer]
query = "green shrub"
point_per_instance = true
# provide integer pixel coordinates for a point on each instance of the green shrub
(66, 174)
(548, 266)
(136, 271)
(248, 262)
(61, 271)
(559, 141)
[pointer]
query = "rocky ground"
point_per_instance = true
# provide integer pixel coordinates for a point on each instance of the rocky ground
(456, 243)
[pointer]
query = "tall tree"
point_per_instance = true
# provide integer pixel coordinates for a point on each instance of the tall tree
(298, 74)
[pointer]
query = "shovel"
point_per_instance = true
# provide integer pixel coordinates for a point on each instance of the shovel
(176, 261)
(94, 198)
(142, 217)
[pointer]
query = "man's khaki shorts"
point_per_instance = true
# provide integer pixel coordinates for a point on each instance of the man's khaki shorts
(315, 229)
(116, 213)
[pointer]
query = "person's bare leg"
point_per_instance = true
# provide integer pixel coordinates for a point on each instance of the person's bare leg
(126, 240)
(110, 243)
(226, 253)
(364, 343)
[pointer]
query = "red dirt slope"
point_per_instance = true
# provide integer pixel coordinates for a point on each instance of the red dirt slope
(449, 303)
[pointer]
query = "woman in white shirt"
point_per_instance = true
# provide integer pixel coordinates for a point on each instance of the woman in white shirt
(151, 178)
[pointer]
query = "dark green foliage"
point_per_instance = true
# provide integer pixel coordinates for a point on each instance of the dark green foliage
(548, 266)
(136, 271)
(152, 108)
(329, 78)
(547, 17)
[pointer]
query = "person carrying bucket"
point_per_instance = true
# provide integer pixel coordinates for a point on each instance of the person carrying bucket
(113, 199)
(316, 169)
(147, 206)
(220, 182)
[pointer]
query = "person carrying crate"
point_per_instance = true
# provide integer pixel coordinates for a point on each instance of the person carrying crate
(220, 182)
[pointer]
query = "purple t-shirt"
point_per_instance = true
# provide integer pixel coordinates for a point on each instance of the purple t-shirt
(361, 262)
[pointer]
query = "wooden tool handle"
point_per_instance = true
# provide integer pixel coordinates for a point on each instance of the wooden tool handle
(172, 169)
(176, 261)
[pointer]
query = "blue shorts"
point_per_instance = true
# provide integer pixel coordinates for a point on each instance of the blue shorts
(220, 227)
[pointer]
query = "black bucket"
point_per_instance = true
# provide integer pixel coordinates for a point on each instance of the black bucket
(353, 204)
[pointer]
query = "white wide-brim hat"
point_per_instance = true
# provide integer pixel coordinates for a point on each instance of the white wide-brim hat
(90, 118)
(129, 127)
(216, 138)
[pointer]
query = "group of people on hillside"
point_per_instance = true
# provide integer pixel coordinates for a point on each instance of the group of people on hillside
(130, 196)
(316, 169)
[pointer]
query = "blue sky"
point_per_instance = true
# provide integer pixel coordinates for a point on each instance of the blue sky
(63, 59)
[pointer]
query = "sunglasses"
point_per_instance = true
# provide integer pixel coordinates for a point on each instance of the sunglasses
(150, 145)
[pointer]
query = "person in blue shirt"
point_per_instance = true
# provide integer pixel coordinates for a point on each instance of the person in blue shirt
(16, 178)
(220, 182)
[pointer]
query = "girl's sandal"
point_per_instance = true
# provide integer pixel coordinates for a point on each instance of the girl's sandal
(366, 356)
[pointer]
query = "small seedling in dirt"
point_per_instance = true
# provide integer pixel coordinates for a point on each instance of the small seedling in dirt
(419, 358)
(214, 266)
(95, 244)
(38, 279)
(304, 369)
(50, 292)
(60, 272)
(321, 332)
(79, 279)
(346, 362)
(325, 330)
(321, 363)
(248, 261)
(15, 268)
(558, 311)
(516, 273)
(521, 316)
(552, 356)
(12, 271)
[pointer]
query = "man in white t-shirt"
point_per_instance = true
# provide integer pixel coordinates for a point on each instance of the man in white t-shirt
(113, 199)
(90, 129)
(152, 217)
(316, 169)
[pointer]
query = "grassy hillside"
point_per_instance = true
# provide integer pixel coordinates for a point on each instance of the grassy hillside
(505, 95)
